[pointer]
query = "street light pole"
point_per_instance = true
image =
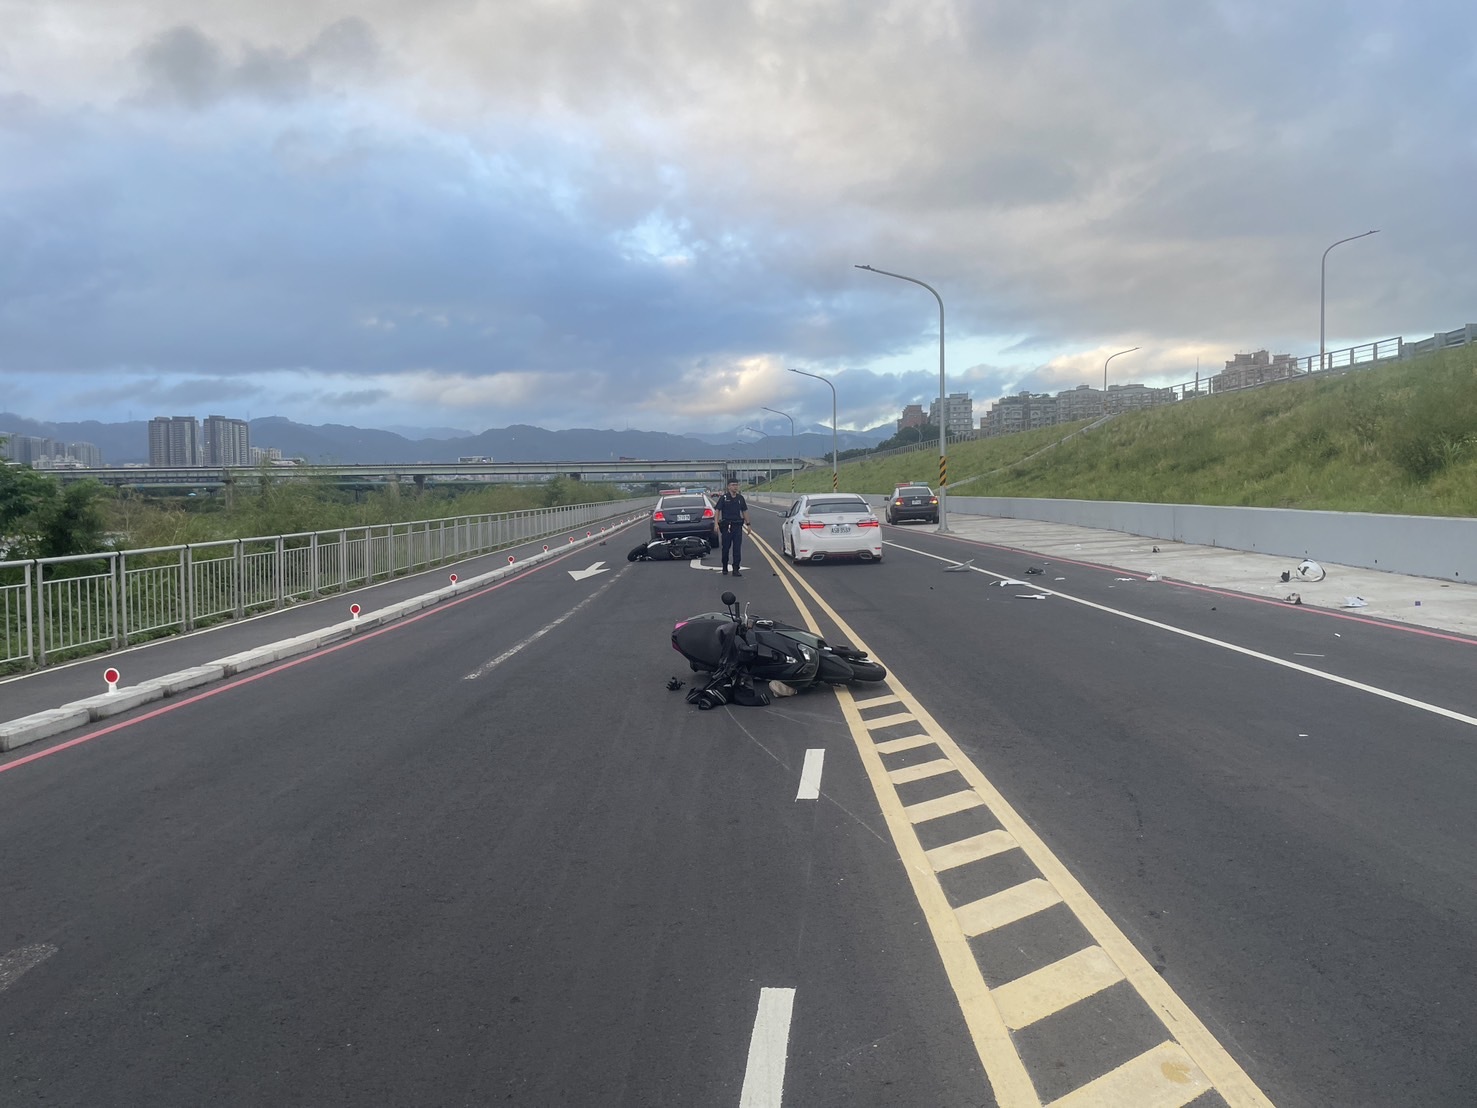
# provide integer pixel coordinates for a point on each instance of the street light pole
(768, 464)
(1110, 357)
(793, 459)
(1322, 287)
(943, 526)
(835, 454)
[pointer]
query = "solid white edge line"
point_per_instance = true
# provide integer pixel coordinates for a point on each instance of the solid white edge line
(810, 775)
(764, 1075)
(1373, 690)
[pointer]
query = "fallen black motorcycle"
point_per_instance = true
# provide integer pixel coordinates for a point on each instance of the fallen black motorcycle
(739, 650)
(681, 548)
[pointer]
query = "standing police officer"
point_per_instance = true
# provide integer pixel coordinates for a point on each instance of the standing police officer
(733, 517)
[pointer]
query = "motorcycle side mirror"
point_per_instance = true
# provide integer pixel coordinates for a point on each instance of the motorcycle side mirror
(728, 599)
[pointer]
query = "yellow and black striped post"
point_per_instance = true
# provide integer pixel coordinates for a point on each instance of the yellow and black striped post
(835, 481)
(943, 472)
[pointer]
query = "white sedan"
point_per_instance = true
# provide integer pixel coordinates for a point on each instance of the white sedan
(820, 526)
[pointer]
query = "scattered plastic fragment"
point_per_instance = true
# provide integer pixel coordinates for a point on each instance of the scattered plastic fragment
(1063, 579)
(1123, 578)
(1034, 570)
(960, 567)
(1355, 602)
(1155, 550)
(1030, 596)
(675, 683)
(1307, 570)
(1152, 577)
(1008, 581)
(1292, 598)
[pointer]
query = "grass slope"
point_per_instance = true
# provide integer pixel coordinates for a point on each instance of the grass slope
(1400, 438)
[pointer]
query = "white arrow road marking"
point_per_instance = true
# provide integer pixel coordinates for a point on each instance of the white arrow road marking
(15, 963)
(697, 563)
(764, 1076)
(810, 775)
(581, 574)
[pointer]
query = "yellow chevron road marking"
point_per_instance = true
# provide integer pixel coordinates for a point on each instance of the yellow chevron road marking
(1167, 1076)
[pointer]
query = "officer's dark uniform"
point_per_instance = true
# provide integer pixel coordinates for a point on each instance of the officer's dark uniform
(731, 508)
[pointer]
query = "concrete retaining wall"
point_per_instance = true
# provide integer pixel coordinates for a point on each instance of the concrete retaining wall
(1424, 546)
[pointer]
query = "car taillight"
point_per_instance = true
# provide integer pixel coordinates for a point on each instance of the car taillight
(707, 513)
(658, 517)
(868, 523)
(898, 503)
(808, 525)
(933, 500)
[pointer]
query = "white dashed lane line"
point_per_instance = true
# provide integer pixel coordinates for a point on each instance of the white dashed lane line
(810, 775)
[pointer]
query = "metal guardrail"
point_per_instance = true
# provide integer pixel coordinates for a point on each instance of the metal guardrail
(66, 606)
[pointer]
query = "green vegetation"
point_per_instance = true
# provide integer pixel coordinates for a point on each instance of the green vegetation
(1400, 438)
(279, 504)
(41, 519)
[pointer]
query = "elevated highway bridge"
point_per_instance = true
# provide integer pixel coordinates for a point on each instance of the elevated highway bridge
(605, 470)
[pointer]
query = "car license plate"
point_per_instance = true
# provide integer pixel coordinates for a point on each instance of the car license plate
(682, 519)
(916, 500)
(840, 528)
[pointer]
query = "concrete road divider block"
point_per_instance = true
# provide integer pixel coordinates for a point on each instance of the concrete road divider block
(247, 660)
(337, 633)
(175, 683)
(291, 648)
(111, 704)
(41, 725)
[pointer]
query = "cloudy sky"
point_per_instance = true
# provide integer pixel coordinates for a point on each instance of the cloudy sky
(472, 213)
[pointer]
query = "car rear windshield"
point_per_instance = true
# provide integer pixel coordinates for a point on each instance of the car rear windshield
(914, 490)
(670, 502)
(836, 507)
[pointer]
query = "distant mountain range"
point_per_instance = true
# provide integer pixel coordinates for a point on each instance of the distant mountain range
(122, 443)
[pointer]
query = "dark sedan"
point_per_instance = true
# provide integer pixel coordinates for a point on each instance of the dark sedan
(912, 502)
(684, 514)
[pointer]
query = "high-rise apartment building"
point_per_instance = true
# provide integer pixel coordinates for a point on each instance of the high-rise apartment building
(958, 414)
(44, 453)
(174, 441)
(227, 442)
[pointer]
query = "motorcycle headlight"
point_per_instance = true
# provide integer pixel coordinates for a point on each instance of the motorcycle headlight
(806, 652)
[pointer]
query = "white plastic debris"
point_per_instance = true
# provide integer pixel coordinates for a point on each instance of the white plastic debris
(1008, 581)
(1030, 596)
(1309, 570)
(1355, 602)
(1152, 577)
(960, 567)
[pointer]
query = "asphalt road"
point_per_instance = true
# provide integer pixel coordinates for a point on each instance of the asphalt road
(485, 856)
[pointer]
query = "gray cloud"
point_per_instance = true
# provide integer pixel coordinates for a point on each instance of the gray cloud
(184, 66)
(637, 203)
